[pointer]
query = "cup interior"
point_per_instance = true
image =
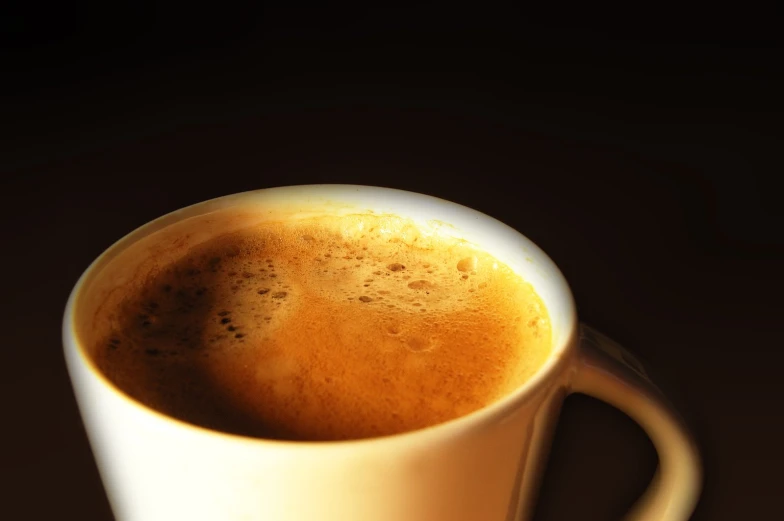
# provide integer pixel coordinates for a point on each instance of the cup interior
(165, 239)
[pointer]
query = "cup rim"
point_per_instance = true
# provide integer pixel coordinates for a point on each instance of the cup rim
(78, 361)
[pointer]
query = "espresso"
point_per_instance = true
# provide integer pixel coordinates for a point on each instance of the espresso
(321, 328)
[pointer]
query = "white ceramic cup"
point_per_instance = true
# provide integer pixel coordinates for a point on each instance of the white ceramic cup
(485, 466)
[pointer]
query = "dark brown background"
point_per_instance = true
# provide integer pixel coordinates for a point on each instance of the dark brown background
(640, 155)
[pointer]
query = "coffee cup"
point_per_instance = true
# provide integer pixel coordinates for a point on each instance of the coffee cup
(483, 465)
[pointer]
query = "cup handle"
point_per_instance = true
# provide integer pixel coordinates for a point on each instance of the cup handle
(608, 372)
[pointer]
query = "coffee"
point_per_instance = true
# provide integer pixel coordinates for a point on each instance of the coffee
(320, 328)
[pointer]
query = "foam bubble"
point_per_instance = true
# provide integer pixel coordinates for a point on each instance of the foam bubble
(467, 264)
(421, 284)
(417, 344)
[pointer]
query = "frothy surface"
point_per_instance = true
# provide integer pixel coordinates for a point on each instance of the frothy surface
(322, 329)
